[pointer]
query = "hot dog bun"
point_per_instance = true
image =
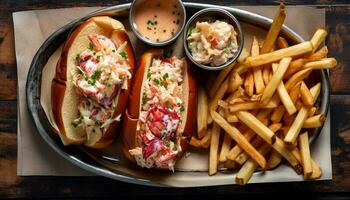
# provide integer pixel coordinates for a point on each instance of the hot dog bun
(65, 96)
(132, 114)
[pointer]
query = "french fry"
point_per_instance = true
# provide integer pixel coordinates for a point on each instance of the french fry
(282, 43)
(305, 154)
(274, 30)
(235, 82)
(205, 141)
(202, 112)
(236, 150)
(320, 54)
(218, 96)
(223, 104)
(316, 170)
(259, 128)
(295, 93)
(284, 96)
(256, 142)
(288, 119)
(297, 77)
(219, 80)
(292, 51)
(238, 93)
(294, 66)
(249, 83)
(281, 148)
(276, 79)
(277, 114)
(231, 118)
(305, 94)
(266, 74)
(229, 164)
(274, 159)
(318, 38)
(239, 138)
(326, 63)
(209, 119)
(312, 112)
(258, 80)
(251, 106)
(195, 142)
(314, 121)
(246, 172)
(225, 148)
(295, 128)
(315, 91)
(214, 146)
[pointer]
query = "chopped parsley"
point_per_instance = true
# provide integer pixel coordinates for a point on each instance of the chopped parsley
(182, 109)
(156, 81)
(96, 75)
(167, 144)
(166, 75)
(144, 98)
(93, 82)
(77, 57)
(164, 31)
(157, 39)
(98, 58)
(148, 28)
(148, 74)
(123, 54)
(90, 47)
(113, 50)
(98, 122)
(76, 122)
(177, 21)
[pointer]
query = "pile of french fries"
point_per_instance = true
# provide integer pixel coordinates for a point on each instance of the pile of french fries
(261, 110)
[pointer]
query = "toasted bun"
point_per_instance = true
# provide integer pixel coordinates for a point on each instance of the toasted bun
(131, 115)
(64, 96)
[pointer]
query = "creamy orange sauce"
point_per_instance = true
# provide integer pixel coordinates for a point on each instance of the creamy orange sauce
(158, 20)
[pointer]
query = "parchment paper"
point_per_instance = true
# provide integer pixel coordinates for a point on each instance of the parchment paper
(37, 158)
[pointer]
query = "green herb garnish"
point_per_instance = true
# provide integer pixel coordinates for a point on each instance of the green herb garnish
(144, 98)
(191, 30)
(166, 75)
(148, 28)
(167, 145)
(98, 122)
(90, 47)
(177, 21)
(113, 50)
(96, 75)
(182, 109)
(123, 54)
(148, 74)
(156, 81)
(77, 57)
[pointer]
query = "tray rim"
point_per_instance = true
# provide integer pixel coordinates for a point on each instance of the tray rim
(33, 94)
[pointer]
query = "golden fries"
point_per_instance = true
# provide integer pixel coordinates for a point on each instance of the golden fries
(256, 125)
(282, 43)
(277, 55)
(202, 112)
(326, 63)
(318, 38)
(276, 80)
(274, 30)
(214, 146)
(305, 94)
(239, 138)
(225, 148)
(305, 154)
(262, 104)
(314, 121)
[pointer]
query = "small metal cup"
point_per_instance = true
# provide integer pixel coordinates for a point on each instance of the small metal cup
(212, 14)
(133, 25)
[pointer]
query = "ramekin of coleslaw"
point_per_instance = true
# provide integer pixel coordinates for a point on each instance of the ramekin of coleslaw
(213, 38)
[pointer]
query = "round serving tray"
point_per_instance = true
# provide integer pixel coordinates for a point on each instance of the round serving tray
(88, 160)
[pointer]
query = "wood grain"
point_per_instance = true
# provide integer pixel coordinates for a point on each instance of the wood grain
(337, 20)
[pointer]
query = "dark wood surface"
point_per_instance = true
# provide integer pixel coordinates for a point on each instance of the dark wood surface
(337, 20)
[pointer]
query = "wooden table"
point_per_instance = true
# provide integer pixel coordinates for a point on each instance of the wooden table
(337, 20)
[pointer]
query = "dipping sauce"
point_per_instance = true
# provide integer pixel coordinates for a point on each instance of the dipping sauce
(158, 20)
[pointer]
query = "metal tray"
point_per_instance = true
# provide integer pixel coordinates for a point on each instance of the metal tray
(99, 164)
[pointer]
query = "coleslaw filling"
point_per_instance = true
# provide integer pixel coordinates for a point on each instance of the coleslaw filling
(212, 43)
(158, 131)
(102, 71)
